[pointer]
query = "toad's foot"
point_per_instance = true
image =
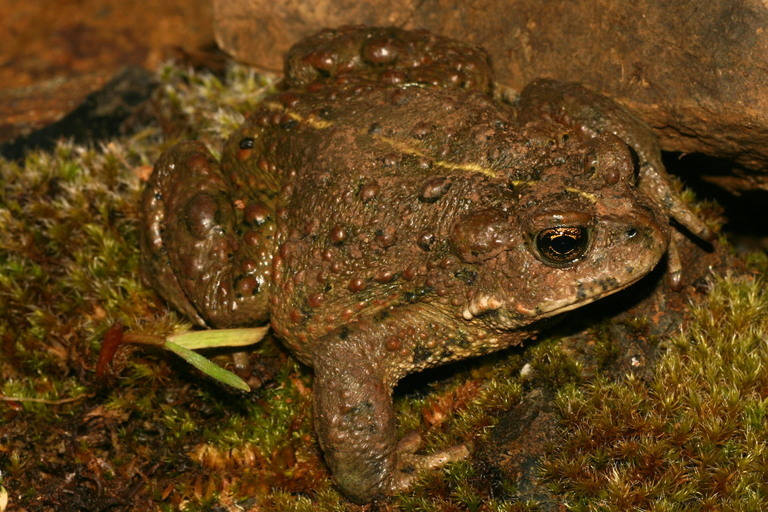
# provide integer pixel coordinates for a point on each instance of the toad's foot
(410, 465)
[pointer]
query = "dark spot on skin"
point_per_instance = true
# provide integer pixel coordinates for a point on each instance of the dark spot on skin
(246, 143)
(466, 276)
(416, 295)
(490, 313)
(459, 342)
(425, 240)
(362, 411)
(421, 354)
(343, 332)
(610, 283)
(374, 129)
(307, 313)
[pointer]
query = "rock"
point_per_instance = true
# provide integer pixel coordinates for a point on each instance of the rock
(55, 54)
(102, 115)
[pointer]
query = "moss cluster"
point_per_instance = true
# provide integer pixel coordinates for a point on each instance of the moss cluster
(694, 436)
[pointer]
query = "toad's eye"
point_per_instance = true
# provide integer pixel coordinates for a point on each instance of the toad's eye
(562, 245)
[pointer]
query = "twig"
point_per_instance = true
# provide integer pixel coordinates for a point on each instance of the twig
(45, 400)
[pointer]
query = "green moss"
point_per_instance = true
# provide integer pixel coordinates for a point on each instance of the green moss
(695, 436)
(212, 107)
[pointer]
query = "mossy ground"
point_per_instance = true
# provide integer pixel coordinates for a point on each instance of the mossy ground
(158, 436)
(692, 437)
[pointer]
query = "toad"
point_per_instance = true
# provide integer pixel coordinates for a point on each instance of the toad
(385, 213)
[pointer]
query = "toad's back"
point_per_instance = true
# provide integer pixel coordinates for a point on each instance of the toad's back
(371, 183)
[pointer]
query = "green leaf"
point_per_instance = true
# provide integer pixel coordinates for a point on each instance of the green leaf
(195, 340)
(208, 367)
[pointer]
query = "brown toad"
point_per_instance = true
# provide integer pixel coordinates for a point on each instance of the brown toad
(384, 213)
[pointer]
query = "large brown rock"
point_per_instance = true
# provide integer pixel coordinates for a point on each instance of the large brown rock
(696, 71)
(54, 54)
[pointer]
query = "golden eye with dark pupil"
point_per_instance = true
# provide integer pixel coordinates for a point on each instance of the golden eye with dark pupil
(562, 244)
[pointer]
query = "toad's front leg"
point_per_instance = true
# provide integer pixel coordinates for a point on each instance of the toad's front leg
(355, 420)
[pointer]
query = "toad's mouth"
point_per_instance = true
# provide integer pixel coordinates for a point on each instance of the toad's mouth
(508, 313)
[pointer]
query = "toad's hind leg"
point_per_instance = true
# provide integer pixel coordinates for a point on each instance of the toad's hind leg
(191, 252)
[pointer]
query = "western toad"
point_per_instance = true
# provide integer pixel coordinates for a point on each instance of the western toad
(384, 213)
